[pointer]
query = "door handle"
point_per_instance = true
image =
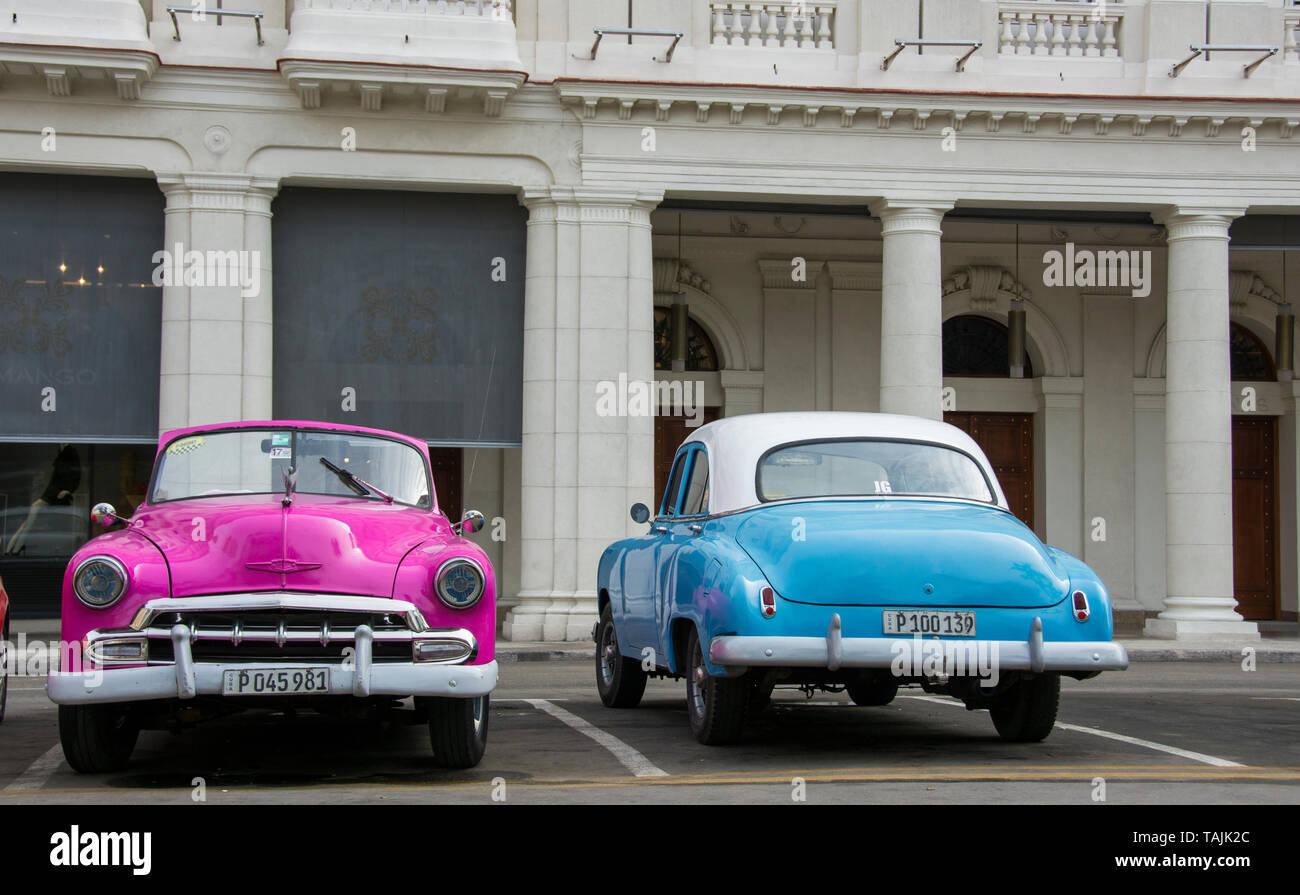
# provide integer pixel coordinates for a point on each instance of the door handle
(696, 528)
(659, 529)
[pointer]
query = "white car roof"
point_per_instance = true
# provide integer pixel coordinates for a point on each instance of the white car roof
(735, 445)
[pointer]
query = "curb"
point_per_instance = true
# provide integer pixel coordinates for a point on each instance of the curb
(543, 655)
(1210, 655)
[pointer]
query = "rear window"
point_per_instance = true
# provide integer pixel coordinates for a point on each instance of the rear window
(854, 468)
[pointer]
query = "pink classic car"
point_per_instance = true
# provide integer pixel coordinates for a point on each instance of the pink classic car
(277, 565)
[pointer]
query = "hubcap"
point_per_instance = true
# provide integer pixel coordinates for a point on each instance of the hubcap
(478, 715)
(608, 654)
(697, 683)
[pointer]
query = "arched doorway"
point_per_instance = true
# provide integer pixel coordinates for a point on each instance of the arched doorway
(975, 346)
(1254, 487)
(701, 357)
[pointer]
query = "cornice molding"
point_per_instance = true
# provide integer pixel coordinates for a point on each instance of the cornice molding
(759, 106)
(61, 67)
(313, 79)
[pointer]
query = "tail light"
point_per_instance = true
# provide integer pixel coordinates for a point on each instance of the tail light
(1081, 611)
(767, 601)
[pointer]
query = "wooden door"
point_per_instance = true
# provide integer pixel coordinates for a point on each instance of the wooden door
(1007, 439)
(670, 432)
(446, 464)
(1254, 516)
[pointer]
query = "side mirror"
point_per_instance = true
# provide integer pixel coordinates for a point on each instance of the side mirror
(640, 513)
(470, 522)
(104, 514)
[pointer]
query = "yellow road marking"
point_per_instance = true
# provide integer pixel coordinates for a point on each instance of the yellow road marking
(1040, 773)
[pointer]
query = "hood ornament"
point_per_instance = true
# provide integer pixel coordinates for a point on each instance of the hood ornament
(290, 477)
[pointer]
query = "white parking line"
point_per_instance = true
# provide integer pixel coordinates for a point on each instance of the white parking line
(38, 771)
(631, 759)
(1133, 741)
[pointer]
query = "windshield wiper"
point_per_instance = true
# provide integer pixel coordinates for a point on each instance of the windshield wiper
(360, 486)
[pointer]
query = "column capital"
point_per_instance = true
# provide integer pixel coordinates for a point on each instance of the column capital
(911, 215)
(590, 203)
(214, 191)
(1196, 221)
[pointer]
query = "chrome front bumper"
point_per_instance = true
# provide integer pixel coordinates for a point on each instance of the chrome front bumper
(181, 676)
(834, 651)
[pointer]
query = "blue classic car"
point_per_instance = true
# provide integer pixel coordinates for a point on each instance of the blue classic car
(844, 551)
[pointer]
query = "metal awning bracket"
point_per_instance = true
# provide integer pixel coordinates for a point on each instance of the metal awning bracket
(900, 45)
(198, 14)
(1199, 49)
(634, 32)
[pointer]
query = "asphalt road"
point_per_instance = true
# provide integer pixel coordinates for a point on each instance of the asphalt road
(1162, 732)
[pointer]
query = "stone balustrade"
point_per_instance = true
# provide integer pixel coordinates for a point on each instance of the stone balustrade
(804, 25)
(1060, 29)
(494, 8)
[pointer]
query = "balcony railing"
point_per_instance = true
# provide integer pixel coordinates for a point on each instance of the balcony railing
(1060, 29)
(806, 25)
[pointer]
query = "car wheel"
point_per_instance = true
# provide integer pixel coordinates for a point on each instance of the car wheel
(458, 730)
(620, 681)
(716, 705)
(97, 739)
(1026, 713)
(876, 689)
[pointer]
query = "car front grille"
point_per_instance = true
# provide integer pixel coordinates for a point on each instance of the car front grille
(279, 635)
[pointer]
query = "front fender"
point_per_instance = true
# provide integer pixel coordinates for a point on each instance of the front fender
(414, 582)
(148, 579)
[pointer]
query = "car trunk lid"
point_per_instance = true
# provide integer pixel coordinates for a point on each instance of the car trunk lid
(901, 552)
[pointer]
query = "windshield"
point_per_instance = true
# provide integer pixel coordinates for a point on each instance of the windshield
(253, 461)
(860, 467)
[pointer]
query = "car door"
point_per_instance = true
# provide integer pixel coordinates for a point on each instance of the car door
(641, 568)
(681, 565)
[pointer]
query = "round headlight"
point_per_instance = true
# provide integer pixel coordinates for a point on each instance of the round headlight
(99, 581)
(460, 583)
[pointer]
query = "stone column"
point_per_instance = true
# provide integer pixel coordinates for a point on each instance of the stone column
(216, 327)
(911, 312)
(174, 373)
(1198, 431)
(588, 332)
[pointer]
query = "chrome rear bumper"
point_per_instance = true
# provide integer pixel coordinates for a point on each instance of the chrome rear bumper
(834, 651)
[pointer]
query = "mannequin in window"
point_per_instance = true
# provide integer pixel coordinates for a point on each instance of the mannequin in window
(59, 487)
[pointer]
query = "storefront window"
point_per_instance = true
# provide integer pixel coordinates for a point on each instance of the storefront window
(402, 311)
(80, 321)
(46, 492)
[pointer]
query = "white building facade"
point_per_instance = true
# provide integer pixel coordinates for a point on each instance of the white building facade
(470, 220)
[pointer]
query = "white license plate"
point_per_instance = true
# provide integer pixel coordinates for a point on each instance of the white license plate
(930, 622)
(276, 681)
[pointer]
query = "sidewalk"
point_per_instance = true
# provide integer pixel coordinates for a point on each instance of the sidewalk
(1269, 648)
